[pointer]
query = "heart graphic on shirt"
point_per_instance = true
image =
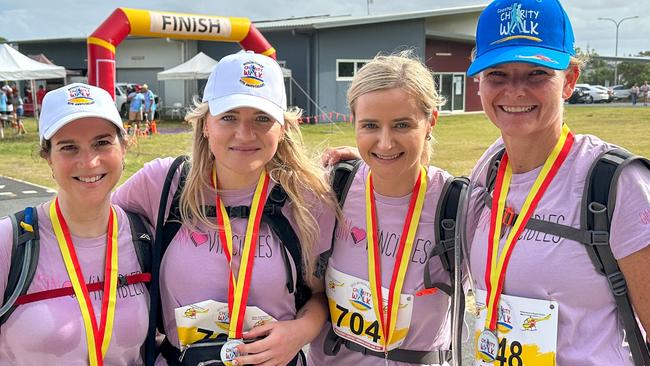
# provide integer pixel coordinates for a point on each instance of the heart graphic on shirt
(358, 234)
(198, 238)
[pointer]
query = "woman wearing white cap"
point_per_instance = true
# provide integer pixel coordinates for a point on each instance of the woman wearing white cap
(224, 279)
(534, 226)
(83, 240)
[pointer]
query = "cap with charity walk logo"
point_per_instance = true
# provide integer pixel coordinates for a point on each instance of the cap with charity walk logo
(531, 31)
(247, 79)
(72, 102)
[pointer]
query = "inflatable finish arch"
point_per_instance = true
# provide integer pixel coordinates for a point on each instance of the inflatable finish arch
(123, 22)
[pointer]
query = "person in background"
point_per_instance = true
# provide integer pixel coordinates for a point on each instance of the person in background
(634, 93)
(40, 94)
(644, 90)
(136, 100)
(149, 103)
(19, 111)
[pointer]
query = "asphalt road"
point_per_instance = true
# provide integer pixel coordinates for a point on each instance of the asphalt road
(15, 195)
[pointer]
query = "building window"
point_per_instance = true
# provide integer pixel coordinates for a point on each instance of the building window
(346, 69)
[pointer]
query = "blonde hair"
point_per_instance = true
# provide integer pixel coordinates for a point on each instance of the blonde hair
(302, 179)
(400, 70)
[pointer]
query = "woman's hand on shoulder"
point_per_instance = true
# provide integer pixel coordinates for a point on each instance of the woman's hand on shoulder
(333, 155)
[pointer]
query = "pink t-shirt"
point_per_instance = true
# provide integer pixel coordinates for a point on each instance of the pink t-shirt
(194, 267)
(548, 267)
(430, 327)
(51, 331)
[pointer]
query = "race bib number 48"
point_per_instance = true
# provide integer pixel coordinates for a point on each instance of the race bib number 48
(352, 314)
(526, 332)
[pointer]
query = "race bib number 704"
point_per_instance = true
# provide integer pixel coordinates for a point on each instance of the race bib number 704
(353, 316)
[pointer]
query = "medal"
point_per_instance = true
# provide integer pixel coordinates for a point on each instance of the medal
(497, 263)
(388, 317)
(98, 338)
(487, 345)
(229, 351)
(238, 288)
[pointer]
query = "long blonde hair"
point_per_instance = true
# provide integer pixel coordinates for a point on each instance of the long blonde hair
(300, 176)
(400, 70)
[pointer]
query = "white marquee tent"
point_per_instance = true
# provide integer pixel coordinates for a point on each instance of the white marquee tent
(198, 67)
(16, 66)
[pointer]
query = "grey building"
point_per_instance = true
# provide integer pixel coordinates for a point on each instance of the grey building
(323, 54)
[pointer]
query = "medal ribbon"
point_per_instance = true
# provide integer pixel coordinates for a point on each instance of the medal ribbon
(496, 265)
(238, 288)
(387, 323)
(97, 338)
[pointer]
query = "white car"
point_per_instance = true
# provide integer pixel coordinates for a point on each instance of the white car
(120, 99)
(597, 93)
(621, 92)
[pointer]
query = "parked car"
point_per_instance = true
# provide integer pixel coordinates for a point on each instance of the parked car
(621, 92)
(596, 95)
(580, 95)
(120, 99)
(610, 93)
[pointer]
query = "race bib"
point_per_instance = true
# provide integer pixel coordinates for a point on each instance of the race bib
(209, 318)
(526, 331)
(352, 314)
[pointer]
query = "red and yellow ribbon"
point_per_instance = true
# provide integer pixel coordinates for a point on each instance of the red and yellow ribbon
(238, 289)
(97, 338)
(497, 265)
(387, 323)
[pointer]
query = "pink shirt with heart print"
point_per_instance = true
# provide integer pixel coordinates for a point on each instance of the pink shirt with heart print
(194, 267)
(430, 327)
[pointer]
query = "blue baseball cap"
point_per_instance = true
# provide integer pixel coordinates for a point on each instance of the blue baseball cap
(532, 31)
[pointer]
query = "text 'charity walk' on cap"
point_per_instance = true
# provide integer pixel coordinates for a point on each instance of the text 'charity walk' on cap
(531, 31)
(72, 102)
(247, 79)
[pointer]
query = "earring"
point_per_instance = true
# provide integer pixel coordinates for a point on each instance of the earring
(123, 165)
(428, 138)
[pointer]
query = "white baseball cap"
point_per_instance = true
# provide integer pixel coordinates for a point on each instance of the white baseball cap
(246, 79)
(72, 102)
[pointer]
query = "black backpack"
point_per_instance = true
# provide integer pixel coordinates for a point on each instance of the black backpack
(168, 226)
(24, 260)
(446, 218)
(598, 202)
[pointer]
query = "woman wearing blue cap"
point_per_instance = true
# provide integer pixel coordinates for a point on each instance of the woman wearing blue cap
(534, 230)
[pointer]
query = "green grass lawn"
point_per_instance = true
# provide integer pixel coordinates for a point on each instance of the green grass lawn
(461, 139)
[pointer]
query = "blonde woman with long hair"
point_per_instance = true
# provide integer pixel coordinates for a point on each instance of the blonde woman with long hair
(224, 279)
(386, 235)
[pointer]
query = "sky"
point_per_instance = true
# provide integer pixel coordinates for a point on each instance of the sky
(41, 19)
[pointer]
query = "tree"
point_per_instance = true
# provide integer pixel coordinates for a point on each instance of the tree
(635, 72)
(596, 71)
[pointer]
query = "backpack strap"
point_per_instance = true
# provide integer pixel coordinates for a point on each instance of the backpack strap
(272, 216)
(142, 241)
(495, 161)
(341, 180)
(598, 205)
(24, 259)
(445, 231)
(165, 232)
